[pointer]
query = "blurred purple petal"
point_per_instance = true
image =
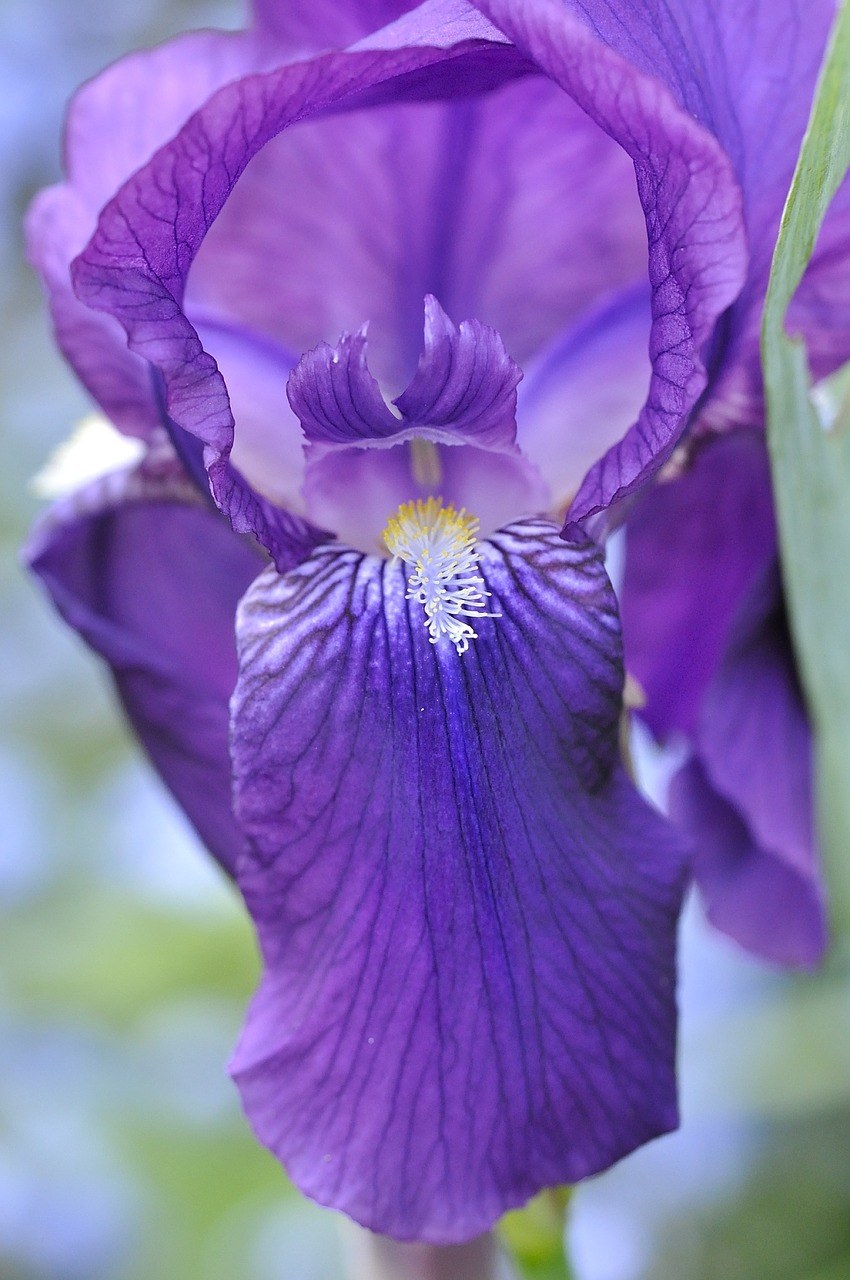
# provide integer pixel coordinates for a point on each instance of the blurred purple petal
(707, 639)
(754, 747)
(770, 906)
(466, 912)
(150, 578)
(107, 136)
(695, 544)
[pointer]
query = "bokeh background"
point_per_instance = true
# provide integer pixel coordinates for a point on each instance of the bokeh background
(126, 961)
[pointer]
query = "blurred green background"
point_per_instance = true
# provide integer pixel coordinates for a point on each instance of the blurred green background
(127, 961)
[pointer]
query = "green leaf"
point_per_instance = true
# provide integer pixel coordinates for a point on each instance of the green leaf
(810, 458)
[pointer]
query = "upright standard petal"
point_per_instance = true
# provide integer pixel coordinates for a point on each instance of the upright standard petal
(467, 914)
(511, 206)
(135, 267)
(324, 24)
(150, 578)
(690, 196)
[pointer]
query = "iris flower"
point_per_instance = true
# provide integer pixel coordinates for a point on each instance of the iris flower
(555, 219)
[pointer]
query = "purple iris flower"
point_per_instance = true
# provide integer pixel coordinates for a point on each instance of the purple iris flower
(466, 912)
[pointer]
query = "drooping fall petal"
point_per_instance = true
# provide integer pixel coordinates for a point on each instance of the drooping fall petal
(466, 912)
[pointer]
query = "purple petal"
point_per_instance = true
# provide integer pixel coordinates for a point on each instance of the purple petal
(771, 907)
(706, 639)
(464, 390)
(361, 459)
(354, 491)
(754, 747)
(337, 400)
(478, 206)
(467, 913)
(695, 545)
(150, 579)
(325, 24)
(746, 73)
(115, 123)
(819, 308)
(94, 344)
(268, 443)
(585, 390)
(137, 262)
(466, 382)
(690, 196)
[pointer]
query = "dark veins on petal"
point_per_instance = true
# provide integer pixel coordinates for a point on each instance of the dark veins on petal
(467, 914)
(464, 387)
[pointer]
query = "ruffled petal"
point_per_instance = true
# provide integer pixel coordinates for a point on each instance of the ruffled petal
(466, 912)
(268, 443)
(746, 73)
(150, 578)
(689, 192)
(363, 461)
(337, 400)
(136, 265)
(464, 390)
(513, 207)
(695, 545)
(466, 382)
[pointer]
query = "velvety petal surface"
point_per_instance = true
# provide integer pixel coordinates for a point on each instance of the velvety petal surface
(696, 543)
(150, 578)
(768, 905)
(466, 912)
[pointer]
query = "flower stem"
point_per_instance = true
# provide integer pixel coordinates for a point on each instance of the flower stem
(534, 1236)
(377, 1258)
